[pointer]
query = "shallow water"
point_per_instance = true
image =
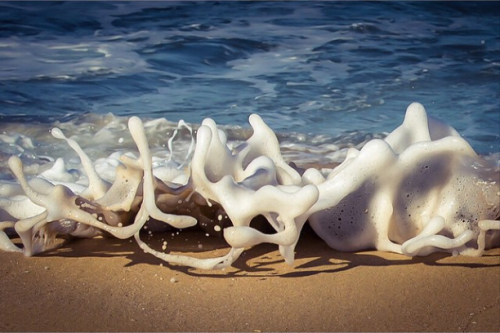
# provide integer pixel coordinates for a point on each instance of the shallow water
(323, 75)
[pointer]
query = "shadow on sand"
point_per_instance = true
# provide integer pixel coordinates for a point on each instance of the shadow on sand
(313, 256)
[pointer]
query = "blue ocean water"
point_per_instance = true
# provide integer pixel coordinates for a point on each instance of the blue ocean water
(327, 71)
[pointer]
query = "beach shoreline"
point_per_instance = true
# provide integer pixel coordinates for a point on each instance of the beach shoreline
(107, 284)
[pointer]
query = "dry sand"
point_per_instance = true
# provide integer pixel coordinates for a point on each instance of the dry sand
(110, 285)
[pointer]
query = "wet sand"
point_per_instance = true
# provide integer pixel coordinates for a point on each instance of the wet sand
(110, 285)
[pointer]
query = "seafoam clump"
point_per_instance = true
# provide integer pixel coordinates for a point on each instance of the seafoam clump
(420, 190)
(423, 189)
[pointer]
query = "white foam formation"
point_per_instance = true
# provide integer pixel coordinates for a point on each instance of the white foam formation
(420, 190)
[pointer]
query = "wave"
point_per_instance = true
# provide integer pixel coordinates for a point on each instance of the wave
(394, 194)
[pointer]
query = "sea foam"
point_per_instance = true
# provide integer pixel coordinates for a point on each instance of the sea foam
(420, 190)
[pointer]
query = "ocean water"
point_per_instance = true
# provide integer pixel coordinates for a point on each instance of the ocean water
(323, 75)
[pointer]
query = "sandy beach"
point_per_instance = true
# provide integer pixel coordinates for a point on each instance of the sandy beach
(110, 285)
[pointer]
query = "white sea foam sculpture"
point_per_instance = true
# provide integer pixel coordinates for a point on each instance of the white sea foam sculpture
(422, 189)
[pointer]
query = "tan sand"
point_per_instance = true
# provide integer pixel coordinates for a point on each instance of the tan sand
(110, 285)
